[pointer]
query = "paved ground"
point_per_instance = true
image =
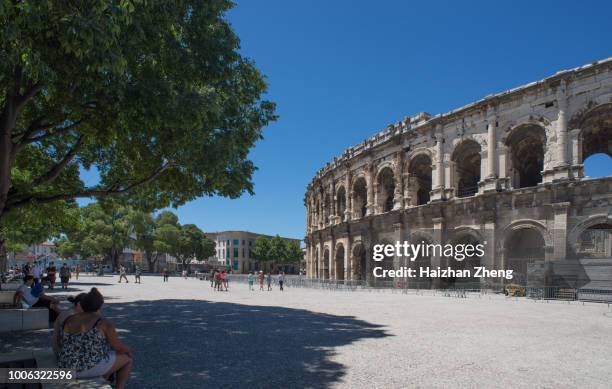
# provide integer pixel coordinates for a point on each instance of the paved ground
(185, 335)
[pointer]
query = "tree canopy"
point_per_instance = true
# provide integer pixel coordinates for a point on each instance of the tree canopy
(154, 95)
(276, 249)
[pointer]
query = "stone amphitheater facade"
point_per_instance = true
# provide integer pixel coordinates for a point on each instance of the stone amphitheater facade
(506, 171)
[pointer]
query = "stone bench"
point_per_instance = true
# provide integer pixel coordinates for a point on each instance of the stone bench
(45, 359)
(6, 298)
(19, 319)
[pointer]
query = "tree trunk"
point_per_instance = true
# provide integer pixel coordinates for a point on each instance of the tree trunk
(3, 267)
(7, 125)
(151, 261)
(114, 256)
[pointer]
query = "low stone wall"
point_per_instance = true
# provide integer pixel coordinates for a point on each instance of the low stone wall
(14, 319)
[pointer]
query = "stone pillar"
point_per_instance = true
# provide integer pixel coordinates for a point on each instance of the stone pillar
(397, 176)
(490, 180)
(438, 187)
(560, 230)
(332, 206)
(577, 166)
(561, 170)
(370, 180)
(349, 197)
(436, 260)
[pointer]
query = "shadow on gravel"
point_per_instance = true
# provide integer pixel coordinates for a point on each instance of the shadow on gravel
(196, 344)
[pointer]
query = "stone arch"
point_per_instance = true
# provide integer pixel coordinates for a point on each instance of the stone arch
(339, 262)
(464, 236)
(385, 189)
(578, 231)
(340, 202)
(523, 246)
(359, 261)
(360, 197)
(419, 169)
(327, 205)
(466, 159)
(526, 223)
(325, 264)
(526, 146)
(595, 136)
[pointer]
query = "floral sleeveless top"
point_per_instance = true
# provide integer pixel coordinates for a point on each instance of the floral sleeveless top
(82, 351)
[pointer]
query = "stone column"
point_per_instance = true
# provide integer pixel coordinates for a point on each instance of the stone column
(560, 230)
(349, 197)
(490, 180)
(577, 167)
(397, 195)
(561, 170)
(438, 187)
(370, 203)
(436, 260)
(332, 206)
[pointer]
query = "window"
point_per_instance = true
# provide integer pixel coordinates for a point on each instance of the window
(243, 242)
(236, 242)
(243, 253)
(235, 252)
(250, 243)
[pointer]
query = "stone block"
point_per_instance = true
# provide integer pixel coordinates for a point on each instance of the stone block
(35, 319)
(10, 320)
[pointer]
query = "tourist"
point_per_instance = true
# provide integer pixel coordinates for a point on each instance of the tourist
(26, 269)
(269, 281)
(250, 279)
(64, 275)
(123, 274)
(137, 274)
(77, 269)
(281, 280)
(91, 346)
(166, 274)
(223, 280)
(218, 281)
(37, 271)
(212, 278)
(184, 273)
(51, 270)
(24, 294)
(261, 280)
(56, 340)
(37, 288)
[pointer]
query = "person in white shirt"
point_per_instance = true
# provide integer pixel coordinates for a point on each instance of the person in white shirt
(37, 271)
(24, 294)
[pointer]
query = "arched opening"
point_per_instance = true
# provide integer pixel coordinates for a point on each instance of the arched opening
(328, 208)
(596, 141)
(526, 145)
(360, 198)
(316, 265)
(467, 263)
(522, 247)
(340, 202)
(420, 179)
(359, 262)
(325, 265)
(467, 168)
(596, 242)
(386, 189)
(339, 270)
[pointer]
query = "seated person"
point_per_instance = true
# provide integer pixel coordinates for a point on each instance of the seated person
(37, 288)
(24, 294)
(56, 340)
(91, 346)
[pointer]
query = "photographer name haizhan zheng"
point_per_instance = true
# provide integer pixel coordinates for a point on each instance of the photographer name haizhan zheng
(458, 252)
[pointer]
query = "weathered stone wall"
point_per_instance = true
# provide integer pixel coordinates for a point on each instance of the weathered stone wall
(501, 170)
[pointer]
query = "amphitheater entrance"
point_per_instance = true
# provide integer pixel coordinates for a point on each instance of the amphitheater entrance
(523, 246)
(526, 144)
(360, 198)
(596, 242)
(339, 262)
(325, 265)
(420, 179)
(341, 202)
(468, 263)
(466, 158)
(385, 190)
(358, 263)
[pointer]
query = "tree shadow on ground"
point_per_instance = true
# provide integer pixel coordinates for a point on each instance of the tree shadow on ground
(194, 344)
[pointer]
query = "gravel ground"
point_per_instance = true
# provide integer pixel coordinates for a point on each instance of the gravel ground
(185, 335)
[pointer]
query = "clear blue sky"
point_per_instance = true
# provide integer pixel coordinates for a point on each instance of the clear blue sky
(342, 70)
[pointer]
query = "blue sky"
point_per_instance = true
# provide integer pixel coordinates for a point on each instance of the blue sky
(340, 71)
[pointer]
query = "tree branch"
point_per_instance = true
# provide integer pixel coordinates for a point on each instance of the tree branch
(59, 167)
(114, 190)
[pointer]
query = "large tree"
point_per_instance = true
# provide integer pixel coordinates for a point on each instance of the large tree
(152, 94)
(184, 242)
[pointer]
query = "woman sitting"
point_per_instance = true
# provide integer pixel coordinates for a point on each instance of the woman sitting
(56, 341)
(91, 346)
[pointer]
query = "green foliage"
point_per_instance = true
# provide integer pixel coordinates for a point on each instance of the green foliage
(184, 242)
(154, 94)
(276, 249)
(261, 249)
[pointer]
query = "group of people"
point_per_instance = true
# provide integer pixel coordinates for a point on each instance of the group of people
(82, 339)
(48, 274)
(219, 280)
(268, 280)
(123, 274)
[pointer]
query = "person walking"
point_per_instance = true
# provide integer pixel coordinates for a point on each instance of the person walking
(223, 279)
(51, 270)
(77, 269)
(123, 274)
(269, 280)
(184, 273)
(165, 274)
(37, 271)
(64, 275)
(212, 278)
(281, 280)
(261, 280)
(137, 274)
(251, 279)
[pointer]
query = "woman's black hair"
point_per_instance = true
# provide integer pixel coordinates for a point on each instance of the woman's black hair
(92, 301)
(76, 299)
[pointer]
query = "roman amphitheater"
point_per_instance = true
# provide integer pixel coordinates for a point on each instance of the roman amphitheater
(505, 171)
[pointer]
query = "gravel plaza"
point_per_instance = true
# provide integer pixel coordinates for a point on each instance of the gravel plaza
(186, 335)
